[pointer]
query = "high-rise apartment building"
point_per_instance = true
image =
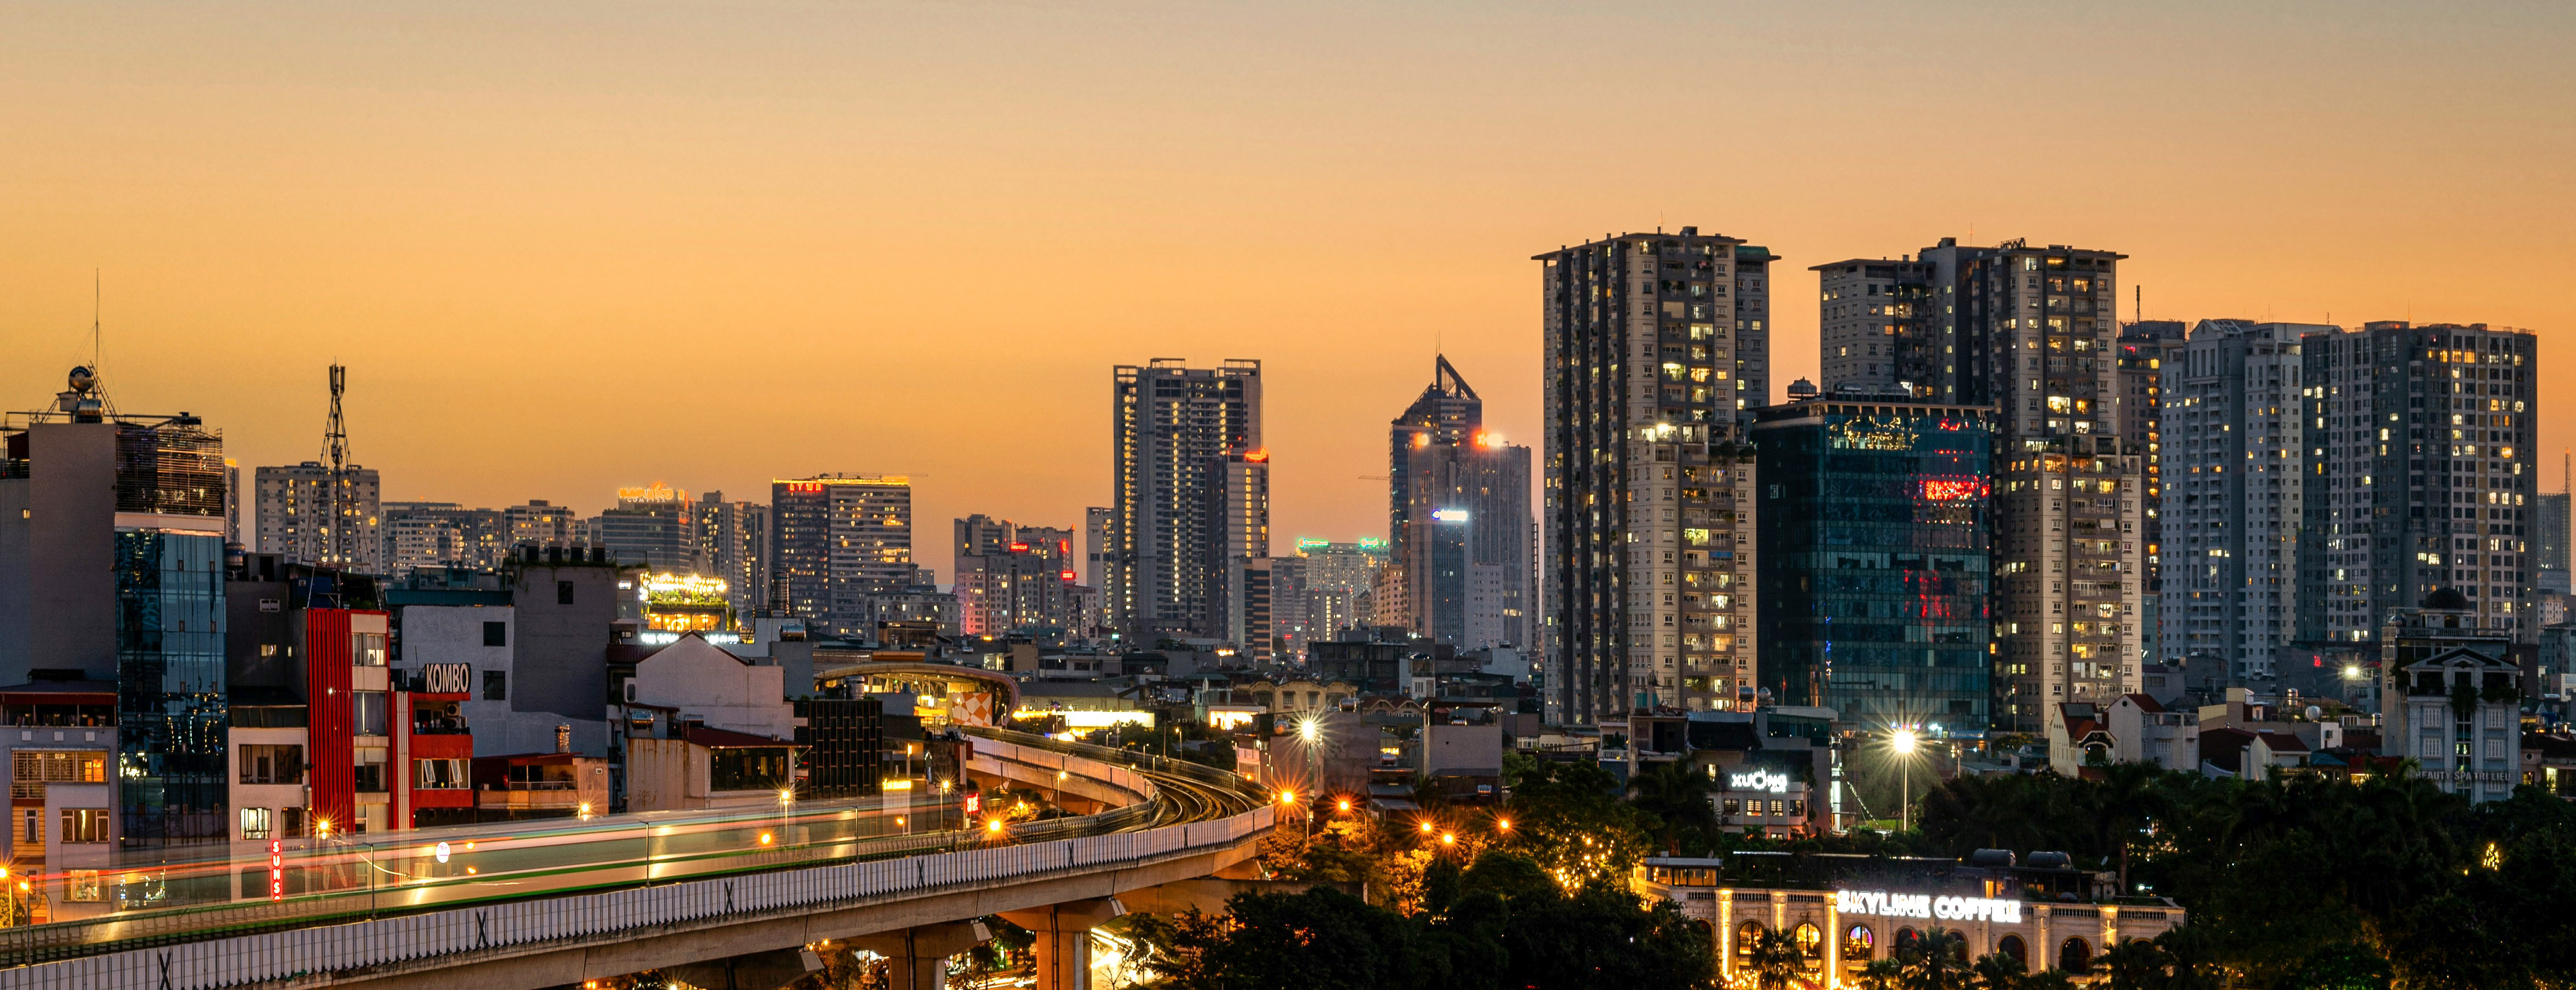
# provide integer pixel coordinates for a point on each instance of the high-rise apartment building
(1337, 580)
(1098, 522)
(733, 544)
(1752, 303)
(2145, 347)
(837, 539)
(2420, 476)
(2233, 484)
(443, 534)
(1192, 494)
(2036, 328)
(1879, 330)
(2029, 331)
(1874, 538)
(542, 524)
(654, 526)
(1012, 577)
(1650, 536)
(2551, 536)
(292, 511)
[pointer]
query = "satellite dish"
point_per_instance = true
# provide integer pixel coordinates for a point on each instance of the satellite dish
(2315, 713)
(83, 379)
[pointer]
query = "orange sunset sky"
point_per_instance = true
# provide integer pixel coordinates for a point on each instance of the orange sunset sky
(565, 246)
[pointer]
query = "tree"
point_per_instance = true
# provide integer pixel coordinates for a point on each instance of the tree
(1677, 798)
(1775, 960)
(1567, 817)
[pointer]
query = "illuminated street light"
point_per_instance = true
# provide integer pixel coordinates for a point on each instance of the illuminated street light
(1903, 742)
(1502, 824)
(1426, 828)
(1343, 805)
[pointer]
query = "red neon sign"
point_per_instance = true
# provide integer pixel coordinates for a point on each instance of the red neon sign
(974, 802)
(276, 871)
(1258, 456)
(1019, 548)
(1951, 489)
(1068, 575)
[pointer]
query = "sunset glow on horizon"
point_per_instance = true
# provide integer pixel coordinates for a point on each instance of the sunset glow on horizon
(577, 246)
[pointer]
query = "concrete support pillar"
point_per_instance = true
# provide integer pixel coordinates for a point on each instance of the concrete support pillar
(1833, 944)
(1064, 939)
(1725, 936)
(919, 956)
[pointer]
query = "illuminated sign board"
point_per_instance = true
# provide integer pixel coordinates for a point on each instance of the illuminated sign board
(276, 871)
(1449, 515)
(1946, 907)
(1952, 489)
(974, 802)
(1771, 781)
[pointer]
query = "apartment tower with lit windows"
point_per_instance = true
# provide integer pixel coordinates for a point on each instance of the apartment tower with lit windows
(1648, 511)
(836, 541)
(2420, 476)
(2029, 332)
(1191, 497)
(2233, 495)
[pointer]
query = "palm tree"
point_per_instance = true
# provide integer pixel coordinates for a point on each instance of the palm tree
(1776, 961)
(1938, 961)
(1997, 971)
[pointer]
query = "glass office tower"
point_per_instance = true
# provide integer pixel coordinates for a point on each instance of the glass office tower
(1873, 525)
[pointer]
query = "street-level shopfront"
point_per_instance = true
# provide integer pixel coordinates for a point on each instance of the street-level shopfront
(1841, 931)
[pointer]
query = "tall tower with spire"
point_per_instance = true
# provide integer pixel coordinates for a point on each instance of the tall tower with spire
(1448, 412)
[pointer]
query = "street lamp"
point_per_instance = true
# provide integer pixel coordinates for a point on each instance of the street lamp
(1903, 743)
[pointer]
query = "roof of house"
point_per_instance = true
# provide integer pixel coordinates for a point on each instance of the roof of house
(728, 739)
(2283, 742)
(2143, 702)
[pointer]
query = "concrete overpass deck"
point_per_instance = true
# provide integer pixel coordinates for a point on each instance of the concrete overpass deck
(1171, 822)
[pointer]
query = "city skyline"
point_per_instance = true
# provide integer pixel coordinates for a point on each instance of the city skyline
(648, 244)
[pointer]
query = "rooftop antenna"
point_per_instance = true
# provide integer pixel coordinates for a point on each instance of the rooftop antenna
(335, 436)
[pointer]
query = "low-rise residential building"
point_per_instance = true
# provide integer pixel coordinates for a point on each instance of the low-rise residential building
(540, 785)
(60, 736)
(2253, 754)
(2452, 698)
(681, 766)
(2143, 730)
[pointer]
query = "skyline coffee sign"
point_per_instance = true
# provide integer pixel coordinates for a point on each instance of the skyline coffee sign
(1945, 907)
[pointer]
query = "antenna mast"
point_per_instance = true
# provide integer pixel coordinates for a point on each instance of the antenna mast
(336, 549)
